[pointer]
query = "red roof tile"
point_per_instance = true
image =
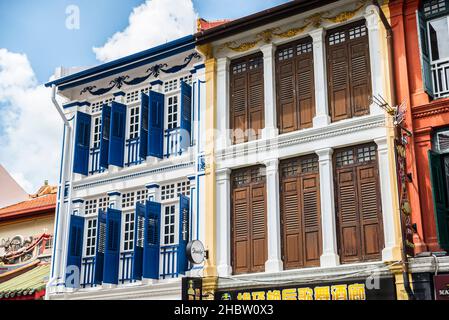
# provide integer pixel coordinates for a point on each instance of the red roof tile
(46, 202)
(203, 24)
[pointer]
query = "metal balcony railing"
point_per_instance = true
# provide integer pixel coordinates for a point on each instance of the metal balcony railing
(132, 152)
(168, 262)
(95, 161)
(440, 78)
(126, 267)
(177, 141)
(87, 272)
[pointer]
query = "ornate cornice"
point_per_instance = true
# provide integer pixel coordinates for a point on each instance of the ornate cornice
(432, 109)
(316, 20)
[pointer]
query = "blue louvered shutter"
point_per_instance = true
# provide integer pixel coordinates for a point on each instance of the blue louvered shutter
(75, 248)
(112, 249)
(186, 115)
(117, 134)
(184, 210)
(105, 134)
(143, 142)
(151, 251)
(156, 124)
(101, 242)
(82, 143)
(424, 53)
(139, 223)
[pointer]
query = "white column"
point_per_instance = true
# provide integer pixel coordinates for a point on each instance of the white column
(223, 211)
(274, 262)
(322, 117)
(223, 139)
(386, 194)
(330, 257)
(376, 58)
(270, 129)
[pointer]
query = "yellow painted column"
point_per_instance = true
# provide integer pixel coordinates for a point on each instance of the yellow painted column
(210, 268)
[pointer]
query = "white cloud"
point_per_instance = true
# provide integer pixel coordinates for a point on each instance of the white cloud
(152, 23)
(31, 130)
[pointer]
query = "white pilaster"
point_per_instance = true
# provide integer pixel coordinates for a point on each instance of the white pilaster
(274, 262)
(270, 129)
(377, 74)
(386, 195)
(322, 117)
(223, 211)
(223, 139)
(330, 257)
(115, 200)
(154, 193)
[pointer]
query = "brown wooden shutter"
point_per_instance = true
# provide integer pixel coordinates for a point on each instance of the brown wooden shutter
(300, 212)
(247, 98)
(295, 85)
(256, 98)
(359, 212)
(360, 71)
(349, 73)
(249, 230)
(241, 243)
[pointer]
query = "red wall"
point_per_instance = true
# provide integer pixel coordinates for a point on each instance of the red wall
(422, 117)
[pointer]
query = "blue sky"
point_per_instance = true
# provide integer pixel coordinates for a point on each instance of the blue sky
(37, 28)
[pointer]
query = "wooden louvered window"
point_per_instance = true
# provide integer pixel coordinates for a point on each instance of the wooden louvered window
(358, 205)
(295, 85)
(349, 72)
(300, 212)
(249, 230)
(247, 98)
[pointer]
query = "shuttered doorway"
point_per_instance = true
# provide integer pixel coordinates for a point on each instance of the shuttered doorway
(300, 212)
(247, 98)
(295, 85)
(358, 205)
(348, 67)
(249, 227)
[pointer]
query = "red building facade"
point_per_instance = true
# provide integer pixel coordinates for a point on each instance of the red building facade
(421, 72)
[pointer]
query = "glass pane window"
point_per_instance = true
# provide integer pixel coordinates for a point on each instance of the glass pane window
(439, 38)
(134, 122)
(91, 237)
(169, 224)
(128, 236)
(96, 132)
(172, 112)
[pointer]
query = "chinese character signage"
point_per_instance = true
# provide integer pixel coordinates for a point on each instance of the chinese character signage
(192, 288)
(384, 289)
(441, 283)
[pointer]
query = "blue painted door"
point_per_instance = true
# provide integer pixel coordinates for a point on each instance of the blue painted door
(82, 143)
(105, 135)
(117, 134)
(156, 125)
(101, 242)
(139, 224)
(75, 249)
(112, 249)
(151, 251)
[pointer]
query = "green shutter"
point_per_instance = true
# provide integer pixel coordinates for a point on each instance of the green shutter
(440, 201)
(424, 53)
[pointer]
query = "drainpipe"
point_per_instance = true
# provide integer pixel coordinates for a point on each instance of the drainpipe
(389, 30)
(60, 217)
